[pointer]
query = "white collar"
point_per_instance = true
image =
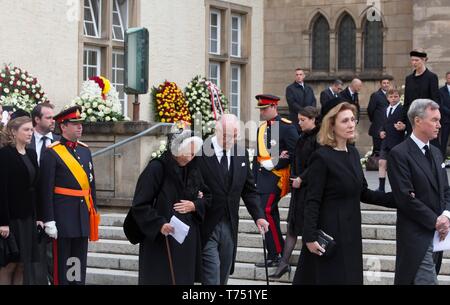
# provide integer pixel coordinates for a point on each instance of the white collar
(350, 90)
(38, 136)
(217, 148)
(332, 91)
(394, 107)
(419, 142)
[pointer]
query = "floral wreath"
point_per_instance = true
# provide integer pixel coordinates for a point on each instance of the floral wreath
(169, 103)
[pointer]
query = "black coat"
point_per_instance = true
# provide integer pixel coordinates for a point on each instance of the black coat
(18, 197)
(305, 147)
(345, 94)
(225, 199)
(162, 184)
(420, 198)
(70, 213)
(298, 98)
(425, 85)
(393, 136)
(377, 112)
(326, 95)
(444, 104)
(336, 185)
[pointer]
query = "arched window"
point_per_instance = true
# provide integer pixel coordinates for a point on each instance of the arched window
(347, 43)
(321, 44)
(373, 45)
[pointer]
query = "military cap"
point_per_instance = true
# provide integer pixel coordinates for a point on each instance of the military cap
(266, 100)
(72, 114)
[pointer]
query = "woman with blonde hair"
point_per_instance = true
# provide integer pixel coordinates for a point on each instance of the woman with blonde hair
(336, 186)
(18, 180)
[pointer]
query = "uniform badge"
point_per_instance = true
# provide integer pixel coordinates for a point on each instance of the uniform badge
(91, 177)
(90, 165)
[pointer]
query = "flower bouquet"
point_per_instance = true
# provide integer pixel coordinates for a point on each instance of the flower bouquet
(206, 104)
(20, 89)
(169, 103)
(99, 101)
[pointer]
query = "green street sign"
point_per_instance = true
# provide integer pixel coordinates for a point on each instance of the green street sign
(136, 61)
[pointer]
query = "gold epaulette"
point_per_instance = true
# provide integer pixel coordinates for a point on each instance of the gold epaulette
(286, 121)
(54, 144)
(83, 144)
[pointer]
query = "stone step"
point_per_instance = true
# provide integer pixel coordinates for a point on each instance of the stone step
(369, 231)
(113, 247)
(113, 261)
(98, 276)
(367, 217)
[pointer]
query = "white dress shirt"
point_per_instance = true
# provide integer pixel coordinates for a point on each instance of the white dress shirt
(38, 142)
(218, 150)
(389, 109)
(420, 144)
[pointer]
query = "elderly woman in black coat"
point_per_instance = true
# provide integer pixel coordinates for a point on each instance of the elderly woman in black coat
(336, 186)
(171, 185)
(306, 145)
(18, 214)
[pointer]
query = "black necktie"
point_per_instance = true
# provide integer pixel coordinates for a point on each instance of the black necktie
(428, 154)
(43, 147)
(390, 112)
(224, 163)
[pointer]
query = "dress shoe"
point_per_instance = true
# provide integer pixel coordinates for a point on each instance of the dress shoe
(283, 267)
(270, 263)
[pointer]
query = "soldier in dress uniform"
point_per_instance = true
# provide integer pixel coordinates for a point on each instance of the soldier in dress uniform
(272, 173)
(67, 188)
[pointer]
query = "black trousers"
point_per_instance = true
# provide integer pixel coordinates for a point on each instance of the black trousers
(376, 144)
(274, 238)
(443, 134)
(70, 261)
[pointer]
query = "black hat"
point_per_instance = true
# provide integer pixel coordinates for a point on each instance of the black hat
(72, 114)
(266, 100)
(330, 105)
(19, 113)
(418, 54)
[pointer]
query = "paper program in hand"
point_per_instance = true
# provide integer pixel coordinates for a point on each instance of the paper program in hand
(181, 229)
(439, 245)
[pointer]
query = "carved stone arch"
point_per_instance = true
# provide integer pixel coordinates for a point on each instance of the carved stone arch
(341, 14)
(316, 14)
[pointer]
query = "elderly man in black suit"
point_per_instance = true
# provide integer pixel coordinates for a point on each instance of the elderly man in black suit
(377, 114)
(350, 94)
(299, 95)
(422, 193)
(445, 115)
(331, 92)
(225, 168)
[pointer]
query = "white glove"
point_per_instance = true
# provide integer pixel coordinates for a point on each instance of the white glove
(267, 164)
(50, 229)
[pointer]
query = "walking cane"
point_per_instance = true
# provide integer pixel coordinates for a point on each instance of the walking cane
(170, 261)
(265, 257)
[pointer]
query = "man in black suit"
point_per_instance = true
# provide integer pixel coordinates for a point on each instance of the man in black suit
(226, 170)
(299, 95)
(444, 107)
(421, 190)
(392, 132)
(350, 94)
(331, 92)
(43, 136)
(377, 113)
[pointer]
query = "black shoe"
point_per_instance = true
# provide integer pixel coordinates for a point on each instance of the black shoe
(270, 263)
(282, 269)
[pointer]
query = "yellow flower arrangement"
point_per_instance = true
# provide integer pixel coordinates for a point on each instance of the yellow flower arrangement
(170, 104)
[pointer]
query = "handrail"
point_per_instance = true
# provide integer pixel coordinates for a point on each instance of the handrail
(123, 142)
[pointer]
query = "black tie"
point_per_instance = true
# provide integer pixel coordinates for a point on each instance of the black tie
(390, 112)
(43, 147)
(224, 163)
(428, 155)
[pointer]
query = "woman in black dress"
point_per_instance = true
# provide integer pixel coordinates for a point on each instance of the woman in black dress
(336, 186)
(171, 185)
(18, 180)
(306, 145)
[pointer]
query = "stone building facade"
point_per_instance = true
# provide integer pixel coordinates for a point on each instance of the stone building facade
(352, 38)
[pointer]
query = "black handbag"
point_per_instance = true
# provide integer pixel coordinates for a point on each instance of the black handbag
(326, 242)
(372, 163)
(9, 251)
